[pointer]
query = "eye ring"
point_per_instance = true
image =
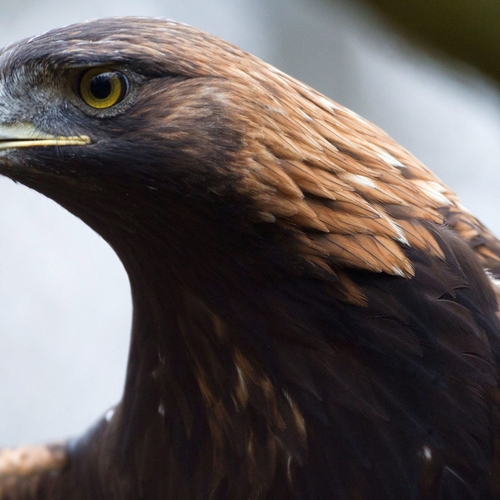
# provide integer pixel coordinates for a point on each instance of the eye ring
(102, 88)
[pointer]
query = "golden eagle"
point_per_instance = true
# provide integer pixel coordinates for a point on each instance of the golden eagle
(315, 313)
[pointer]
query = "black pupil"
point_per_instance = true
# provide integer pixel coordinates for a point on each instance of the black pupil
(100, 86)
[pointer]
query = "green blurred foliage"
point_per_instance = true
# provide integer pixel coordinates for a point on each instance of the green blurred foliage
(468, 30)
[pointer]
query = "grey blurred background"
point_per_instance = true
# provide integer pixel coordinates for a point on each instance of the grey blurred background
(64, 298)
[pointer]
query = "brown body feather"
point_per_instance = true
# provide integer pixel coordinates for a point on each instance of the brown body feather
(313, 318)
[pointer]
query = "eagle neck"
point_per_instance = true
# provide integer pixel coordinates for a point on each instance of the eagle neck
(201, 359)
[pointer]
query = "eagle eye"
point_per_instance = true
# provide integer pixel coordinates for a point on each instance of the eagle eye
(101, 88)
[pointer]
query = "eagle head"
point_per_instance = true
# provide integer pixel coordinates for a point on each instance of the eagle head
(312, 316)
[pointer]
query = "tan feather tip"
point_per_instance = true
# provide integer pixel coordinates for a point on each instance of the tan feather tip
(28, 460)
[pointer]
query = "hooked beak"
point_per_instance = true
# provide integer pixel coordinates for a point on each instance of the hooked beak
(25, 135)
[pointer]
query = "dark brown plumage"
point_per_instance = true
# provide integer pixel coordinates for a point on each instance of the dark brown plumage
(314, 311)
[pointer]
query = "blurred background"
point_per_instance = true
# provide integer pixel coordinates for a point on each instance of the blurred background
(64, 297)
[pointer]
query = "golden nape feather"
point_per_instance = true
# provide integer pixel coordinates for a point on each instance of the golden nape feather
(315, 313)
(323, 168)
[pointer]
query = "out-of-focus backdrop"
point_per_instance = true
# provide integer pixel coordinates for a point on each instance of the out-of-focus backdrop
(64, 298)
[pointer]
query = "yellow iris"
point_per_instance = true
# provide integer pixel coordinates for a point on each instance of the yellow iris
(102, 88)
